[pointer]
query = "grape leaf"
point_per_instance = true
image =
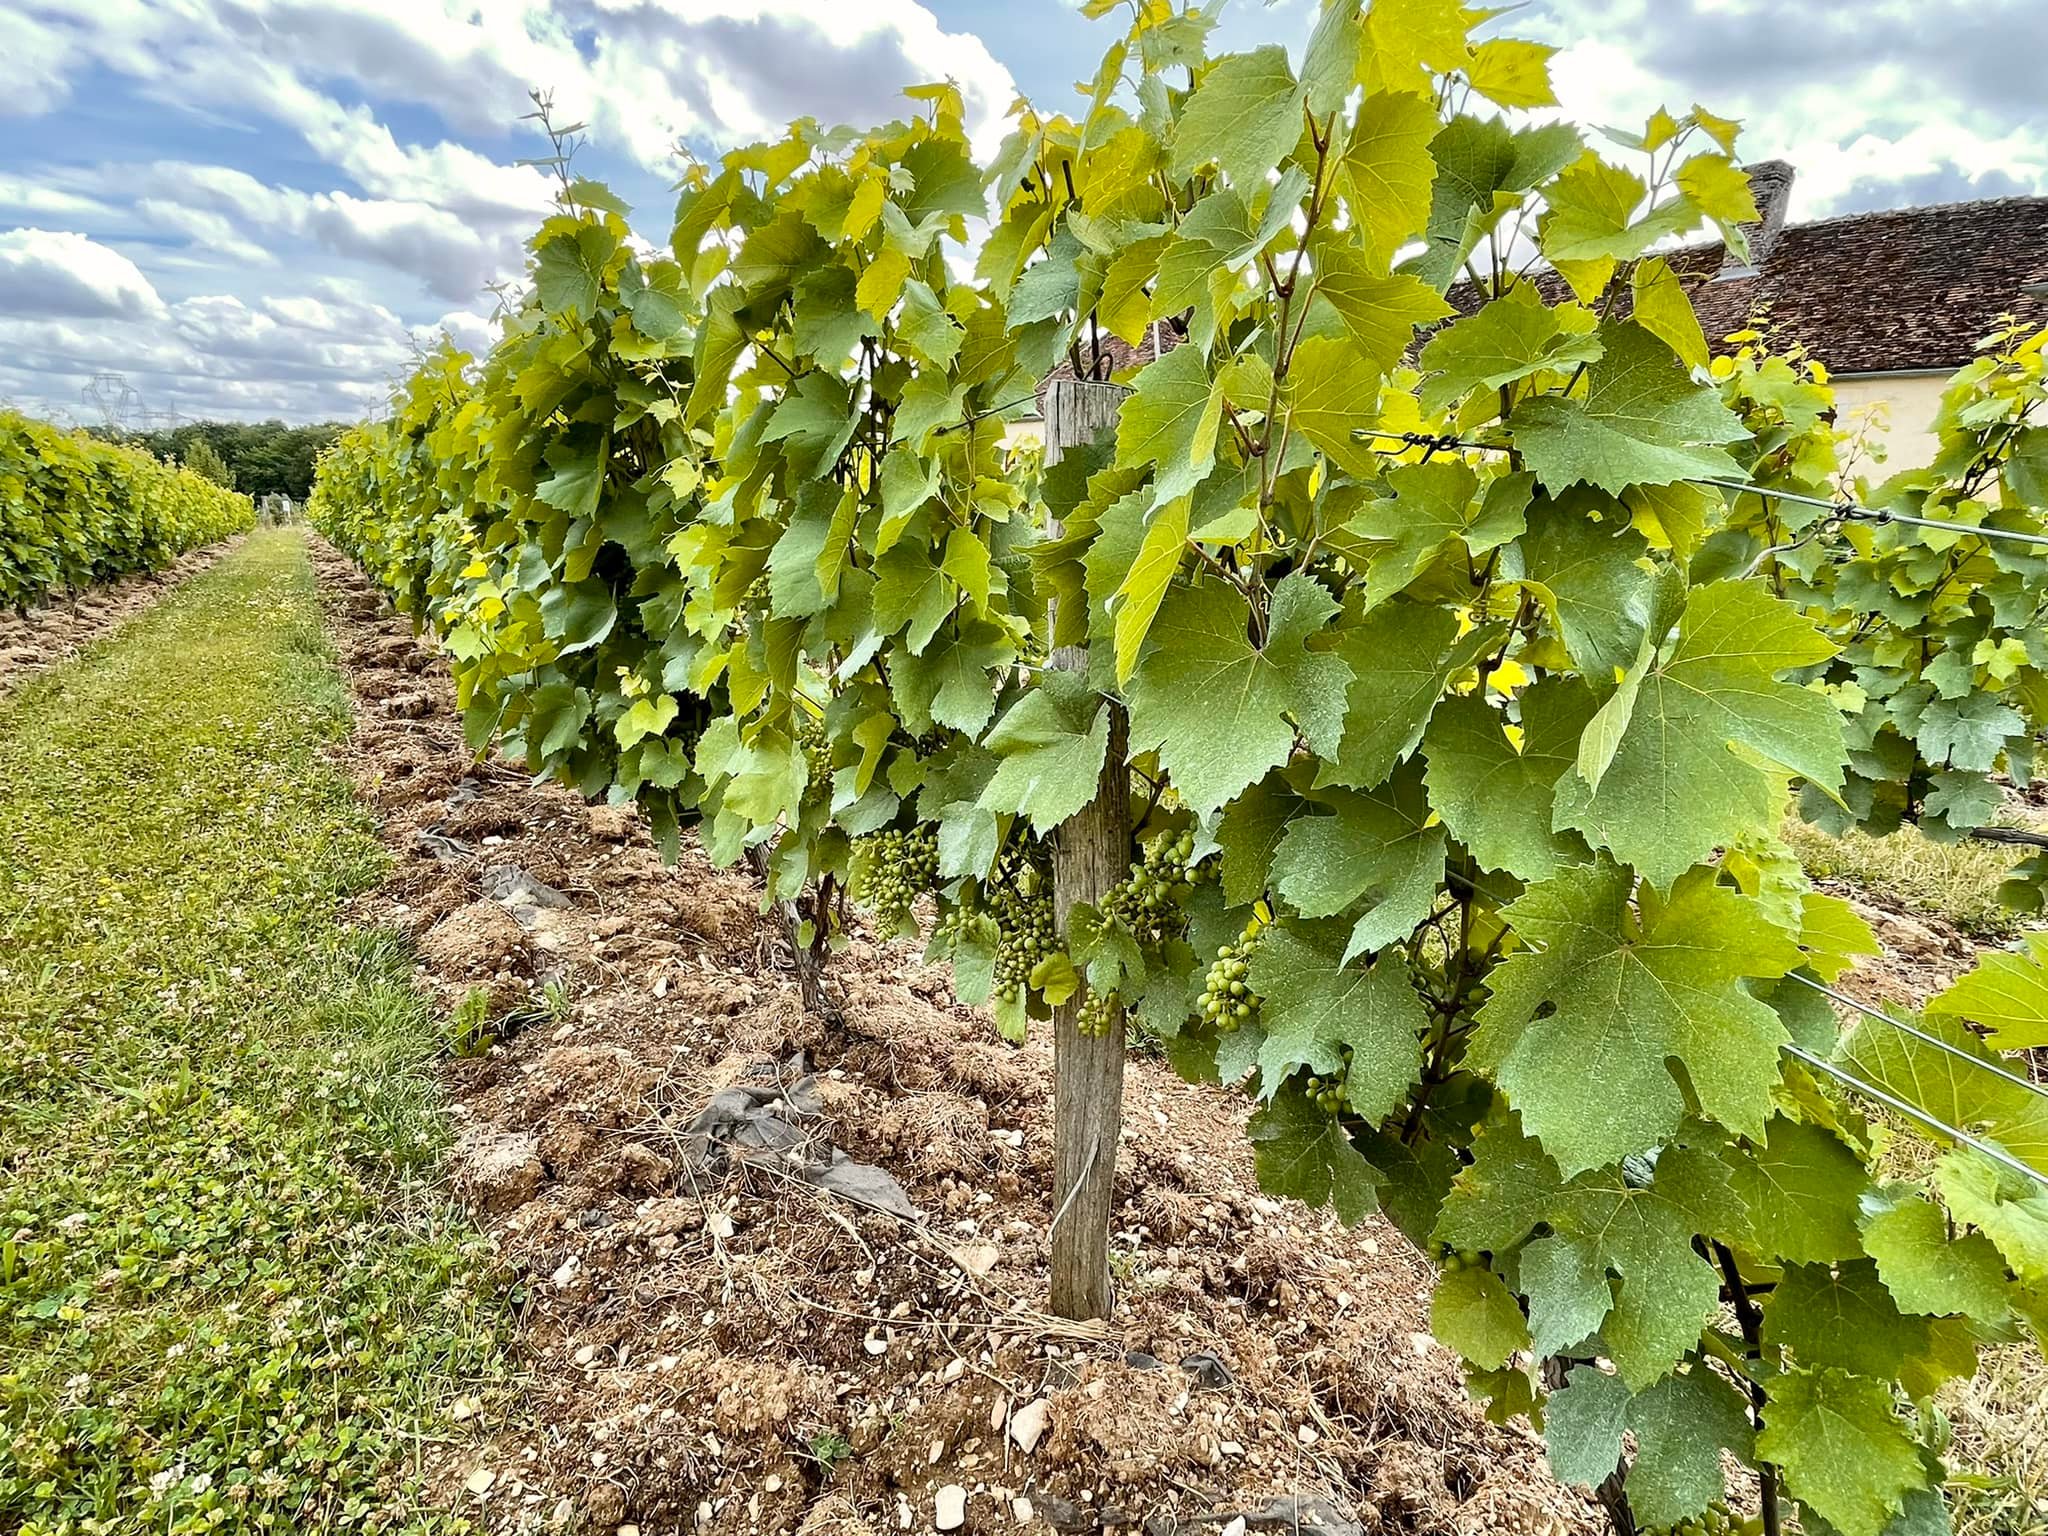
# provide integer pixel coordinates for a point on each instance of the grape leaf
(1509, 339)
(1400, 657)
(1497, 800)
(1842, 1448)
(2010, 1208)
(1475, 1314)
(1388, 170)
(1945, 1085)
(1432, 505)
(1621, 1004)
(1245, 115)
(1302, 1152)
(1381, 848)
(1221, 711)
(1331, 390)
(1379, 312)
(1583, 1423)
(1568, 1292)
(1049, 747)
(1642, 421)
(1682, 1425)
(1314, 1008)
(1841, 1316)
(2007, 994)
(1923, 1268)
(1801, 1186)
(1684, 778)
(1171, 420)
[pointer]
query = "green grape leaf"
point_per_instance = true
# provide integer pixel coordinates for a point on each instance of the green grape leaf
(1303, 1153)
(1589, 578)
(1497, 800)
(1568, 1292)
(950, 682)
(1596, 1013)
(1642, 422)
(1801, 1186)
(1331, 389)
(1944, 1084)
(1315, 1009)
(1249, 832)
(1924, 1269)
(1662, 308)
(1244, 116)
(1221, 711)
(1841, 1316)
(1432, 505)
(912, 594)
(1144, 588)
(2010, 1208)
(2006, 994)
(1387, 170)
(1378, 312)
(1841, 1446)
(1171, 420)
(1400, 658)
(569, 273)
(1475, 1314)
(1512, 338)
(1583, 1422)
(1507, 1189)
(1049, 748)
(1682, 1425)
(1380, 848)
(1684, 778)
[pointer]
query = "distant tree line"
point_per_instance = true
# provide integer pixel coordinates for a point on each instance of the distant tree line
(258, 457)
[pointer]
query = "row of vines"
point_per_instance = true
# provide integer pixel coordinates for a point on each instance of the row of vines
(74, 511)
(1442, 711)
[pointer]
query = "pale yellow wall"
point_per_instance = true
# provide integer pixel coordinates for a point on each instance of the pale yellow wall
(1028, 431)
(1905, 403)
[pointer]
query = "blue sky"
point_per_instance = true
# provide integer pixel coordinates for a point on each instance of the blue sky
(262, 207)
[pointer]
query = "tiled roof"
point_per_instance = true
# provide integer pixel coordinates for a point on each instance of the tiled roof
(1881, 292)
(1119, 358)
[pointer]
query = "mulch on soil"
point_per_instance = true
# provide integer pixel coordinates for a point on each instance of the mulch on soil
(42, 637)
(725, 1349)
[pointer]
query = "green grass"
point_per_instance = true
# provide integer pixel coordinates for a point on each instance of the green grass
(233, 1295)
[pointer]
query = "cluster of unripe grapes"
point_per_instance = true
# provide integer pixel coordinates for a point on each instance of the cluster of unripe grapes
(1715, 1520)
(901, 865)
(1097, 1013)
(1328, 1091)
(1228, 1001)
(810, 735)
(1148, 899)
(1018, 895)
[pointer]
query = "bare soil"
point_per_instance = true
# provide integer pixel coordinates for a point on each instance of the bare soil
(55, 632)
(734, 1351)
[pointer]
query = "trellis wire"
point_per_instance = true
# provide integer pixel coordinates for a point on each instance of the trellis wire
(1920, 1034)
(1845, 511)
(1913, 1112)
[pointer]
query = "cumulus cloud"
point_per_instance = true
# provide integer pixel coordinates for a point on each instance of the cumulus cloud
(62, 273)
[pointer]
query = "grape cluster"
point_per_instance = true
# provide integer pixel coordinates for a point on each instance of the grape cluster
(1018, 896)
(1147, 900)
(1715, 1520)
(1228, 1001)
(900, 866)
(1464, 1258)
(1328, 1090)
(810, 735)
(1097, 1013)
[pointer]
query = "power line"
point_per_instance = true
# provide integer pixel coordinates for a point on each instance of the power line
(1920, 1034)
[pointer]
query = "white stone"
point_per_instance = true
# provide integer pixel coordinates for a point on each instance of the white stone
(1021, 1510)
(949, 1508)
(1027, 1425)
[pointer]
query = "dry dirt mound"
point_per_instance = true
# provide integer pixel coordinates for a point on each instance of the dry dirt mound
(715, 1345)
(42, 637)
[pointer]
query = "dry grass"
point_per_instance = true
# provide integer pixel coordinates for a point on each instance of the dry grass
(1957, 882)
(2001, 1445)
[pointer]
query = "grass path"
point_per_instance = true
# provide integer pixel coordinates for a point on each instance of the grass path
(232, 1296)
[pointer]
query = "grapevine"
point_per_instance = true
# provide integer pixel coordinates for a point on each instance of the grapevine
(1415, 587)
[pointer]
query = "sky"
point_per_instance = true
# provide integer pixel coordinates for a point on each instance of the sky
(258, 208)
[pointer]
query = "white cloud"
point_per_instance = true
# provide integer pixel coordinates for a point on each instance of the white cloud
(61, 273)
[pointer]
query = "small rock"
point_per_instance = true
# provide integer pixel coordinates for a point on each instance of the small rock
(480, 1481)
(1027, 1425)
(566, 1274)
(1021, 1511)
(949, 1508)
(613, 823)
(1235, 1528)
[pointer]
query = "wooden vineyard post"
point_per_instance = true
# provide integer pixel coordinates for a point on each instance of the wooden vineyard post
(1091, 853)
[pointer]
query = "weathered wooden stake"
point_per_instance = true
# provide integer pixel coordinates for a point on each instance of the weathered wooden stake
(1091, 853)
